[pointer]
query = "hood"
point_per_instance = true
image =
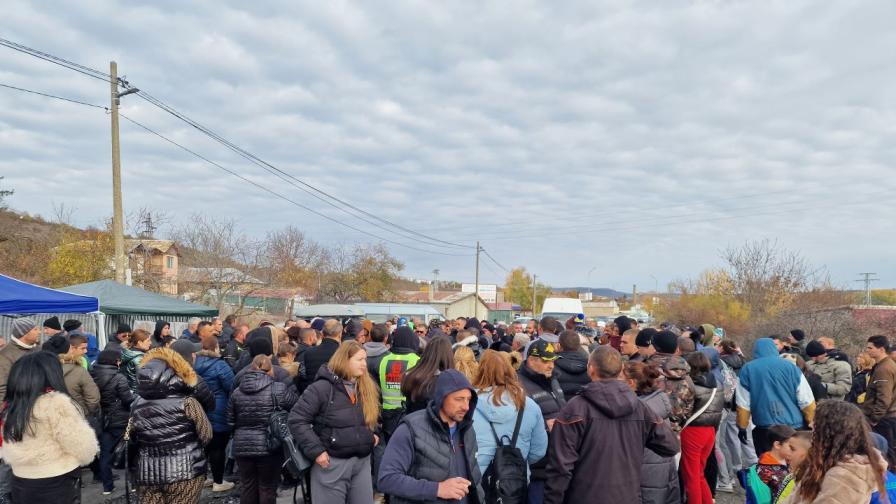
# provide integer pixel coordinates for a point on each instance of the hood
(259, 332)
(658, 401)
(404, 337)
(469, 341)
(713, 355)
(673, 367)
(375, 349)
(496, 414)
(612, 398)
(764, 348)
(707, 380)
(860, 468)
(324, 373)
(448, 382)
(709, 331)
(69, 366)
(734, 361)
(573, 362)
(157, 332)
(254, 381)
(163, 372)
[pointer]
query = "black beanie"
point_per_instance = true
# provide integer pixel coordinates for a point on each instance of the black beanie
(814, 349)
(53, 323)
(71, 325)
(57, 344)
(798, 335)
(108, 358)
(645, 337)
(261, 346)
(665, 342)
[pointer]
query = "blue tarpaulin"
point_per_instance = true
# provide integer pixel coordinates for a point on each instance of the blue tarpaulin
(17, 297)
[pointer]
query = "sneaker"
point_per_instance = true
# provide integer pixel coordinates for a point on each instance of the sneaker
(729, 488)
(208, 482)
(107, 492)
(223, 487)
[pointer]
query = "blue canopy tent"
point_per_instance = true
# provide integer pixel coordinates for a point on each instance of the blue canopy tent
(22, 298)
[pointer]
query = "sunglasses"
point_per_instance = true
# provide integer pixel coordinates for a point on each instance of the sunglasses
(420, 332)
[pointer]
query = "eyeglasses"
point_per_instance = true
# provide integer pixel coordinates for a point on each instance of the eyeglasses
(420, 332)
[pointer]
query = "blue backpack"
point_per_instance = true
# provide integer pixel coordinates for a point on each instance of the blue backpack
(757, 491)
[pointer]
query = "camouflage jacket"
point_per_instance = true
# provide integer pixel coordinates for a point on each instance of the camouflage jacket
(676, 382)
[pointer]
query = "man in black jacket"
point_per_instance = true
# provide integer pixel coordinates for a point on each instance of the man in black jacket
(313, 358)
(537, 377)
(572, 366)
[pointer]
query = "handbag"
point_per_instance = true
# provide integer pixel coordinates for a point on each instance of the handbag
(279, 436)
(120, 452)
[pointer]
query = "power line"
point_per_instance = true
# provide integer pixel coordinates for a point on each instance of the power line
(494, 261)
(236, 174)
(90, 72)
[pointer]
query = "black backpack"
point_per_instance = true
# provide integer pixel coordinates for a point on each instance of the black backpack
(505, 478)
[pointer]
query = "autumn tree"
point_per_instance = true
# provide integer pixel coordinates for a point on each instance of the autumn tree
(81, 257)
(364, 272)
(293, 258)
(518, 289)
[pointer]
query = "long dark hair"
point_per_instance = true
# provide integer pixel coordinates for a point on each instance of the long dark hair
(840, 432)
(30, 377)
(436, 358)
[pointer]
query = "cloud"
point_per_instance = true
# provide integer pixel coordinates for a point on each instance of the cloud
(638, 139)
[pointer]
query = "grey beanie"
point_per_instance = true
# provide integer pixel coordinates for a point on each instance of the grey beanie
(21, 326)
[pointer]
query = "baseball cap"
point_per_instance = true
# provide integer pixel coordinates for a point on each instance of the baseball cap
(542, 349)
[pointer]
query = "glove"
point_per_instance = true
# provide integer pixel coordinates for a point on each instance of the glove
(742, 435)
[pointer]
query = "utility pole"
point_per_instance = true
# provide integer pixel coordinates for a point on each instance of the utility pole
(867, 281)
(117, 212)
(476, 297)
(534, 292)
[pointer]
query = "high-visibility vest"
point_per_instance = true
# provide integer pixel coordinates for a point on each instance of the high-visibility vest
(392, 370)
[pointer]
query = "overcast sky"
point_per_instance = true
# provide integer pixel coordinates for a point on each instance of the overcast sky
(596, 143)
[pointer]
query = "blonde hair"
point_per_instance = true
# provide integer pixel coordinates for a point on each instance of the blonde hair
(465, 362)
(864, 362)
(368, 392)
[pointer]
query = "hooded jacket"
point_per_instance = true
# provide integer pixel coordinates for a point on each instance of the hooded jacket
(851, 481)
(572, 372)
(734, 361)
(157, 332)
(218, 375)
(769, 388)
(169, 427)
(115, 395)
(472, 342)
(659, 475)
(375, 353)
(249, 410)
(325, 419)
(80, 385)
(423, 452)
(597, 446)
(130, 362)
(532, 440)
(675, 380)
(704, 385)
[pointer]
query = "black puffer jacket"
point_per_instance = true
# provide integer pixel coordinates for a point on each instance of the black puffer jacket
(659, 475)
(549, 397)
(115, 395)
(251, 405)
(734, 361)
(572, 372)
(170, 448)
(704, 384)
(312, 360)
(325, 420)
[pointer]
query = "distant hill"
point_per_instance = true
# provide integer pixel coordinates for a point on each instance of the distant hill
(597, 291)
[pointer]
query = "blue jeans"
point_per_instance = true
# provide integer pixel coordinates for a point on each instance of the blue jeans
(108, 439)
(536, 491)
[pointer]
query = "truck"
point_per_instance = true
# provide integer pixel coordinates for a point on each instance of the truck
(561, 308)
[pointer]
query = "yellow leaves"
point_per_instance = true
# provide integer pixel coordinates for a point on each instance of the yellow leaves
(81, 258)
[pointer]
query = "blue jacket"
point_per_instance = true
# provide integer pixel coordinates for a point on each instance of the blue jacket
(771, 384)
(533, 437)
(891, 489)
(218, 375)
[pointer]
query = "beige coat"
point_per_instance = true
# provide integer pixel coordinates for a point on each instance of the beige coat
(9, 354)
(849, 482)
(58, 441)
(80, 385)
(836, 376)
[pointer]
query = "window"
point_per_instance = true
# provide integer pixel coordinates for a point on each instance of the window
(169, 262)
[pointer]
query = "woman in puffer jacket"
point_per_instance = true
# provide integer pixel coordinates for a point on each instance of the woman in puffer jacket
(218, 375)
(138, 343)
(248, 412)
(115, 401)
(333, 423)
(170, 429)
(698, 437)
(659, 475)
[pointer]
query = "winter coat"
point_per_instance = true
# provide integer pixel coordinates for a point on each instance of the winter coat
(704, 385)
(819, 392)
(326, 420)
(422, 452)
(836, 376)
(375, 353)
(880, 396)
(572, 372)
(597, 446)
(80, 385)
(473, 343)
(157, 332)
(851, 481)
(734, 361)
(249, 410)
(115, 396)
(859, 386)
(548, 395)
(532, 440)
(769, 387)
(675, 381)
(659, 475)
(169, 426)
(312, 360)
(233, 352)
(130, 362)
(219, 378)
(58, 440)
(9, 354)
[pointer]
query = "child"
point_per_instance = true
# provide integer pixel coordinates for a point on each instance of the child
(772, 467)
(799, 444)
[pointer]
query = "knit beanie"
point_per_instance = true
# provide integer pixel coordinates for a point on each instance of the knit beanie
(57, 344)
(71, 325)
(798, 334)
(108, 358)
(21, 326)
(53, 323)
(814, 349)
(261, 346)
(665, 342)
(645, 337)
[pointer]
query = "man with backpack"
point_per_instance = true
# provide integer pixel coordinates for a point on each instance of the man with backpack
(597, 443)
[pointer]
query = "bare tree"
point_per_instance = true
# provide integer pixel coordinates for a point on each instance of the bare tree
(364, 272)
(144, 222)
(293, 259)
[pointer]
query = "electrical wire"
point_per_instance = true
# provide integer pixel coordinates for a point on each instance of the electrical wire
(90, 72)
(236, 174)
(493, 260)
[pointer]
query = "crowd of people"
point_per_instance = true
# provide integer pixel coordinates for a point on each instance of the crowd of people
(451, 411)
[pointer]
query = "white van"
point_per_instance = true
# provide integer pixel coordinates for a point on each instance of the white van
(561, 308)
